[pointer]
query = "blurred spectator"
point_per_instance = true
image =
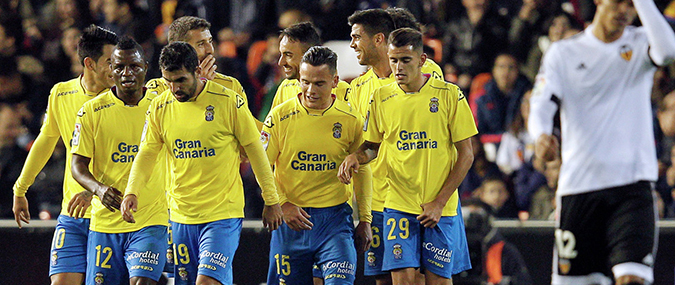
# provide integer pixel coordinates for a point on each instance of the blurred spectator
(11, 34)
(480, 169)
(494, 192)
(474, 39)
(493, 259)
(60, 57)
(59, 15)
(124, 18)
(499, 106)
(529, 25)
(19, 88)
(559, 26)
(11, 155)
(268, 75)
(542, 206)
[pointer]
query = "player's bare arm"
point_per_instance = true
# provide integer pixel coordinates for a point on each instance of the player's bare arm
(110, 197)
(433, 210)
(366, 153)
(79, 204)
(295, 217)
(128, 207)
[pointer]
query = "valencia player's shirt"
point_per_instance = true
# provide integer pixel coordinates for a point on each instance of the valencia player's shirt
(306, 147)
(109, 132)
(65, 100)
(202, 137)
(360, 92)
(290, 88)
(418, 130)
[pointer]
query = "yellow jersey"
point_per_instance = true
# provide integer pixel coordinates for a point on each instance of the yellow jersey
(202, 138)
(290, 88)
(360, 92)
(109, 132)
(306, 147)
(417, 131)
(65, 100)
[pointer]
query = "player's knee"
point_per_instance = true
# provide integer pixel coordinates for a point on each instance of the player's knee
(141, 281)
(67, 278)
(206, 280)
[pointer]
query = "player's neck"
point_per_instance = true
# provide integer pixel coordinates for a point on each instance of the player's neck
(200, 87)
(89, 83)
(382, 68)
(415, 84)
(605, 34)
(130, 99)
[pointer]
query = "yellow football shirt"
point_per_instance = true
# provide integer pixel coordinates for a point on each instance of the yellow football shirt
(306, 147)
(65, 100)
(290, 88)
(360, 93)
(159, 85)
(202, 138)
(109, 132)
(417, 131)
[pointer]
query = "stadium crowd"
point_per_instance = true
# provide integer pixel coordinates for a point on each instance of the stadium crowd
(490, 48)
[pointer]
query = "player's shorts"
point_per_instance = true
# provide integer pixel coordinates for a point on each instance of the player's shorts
(603, 232)
(69, 246)
(329, 245)
(114, 258)
(374, 255)
(205, 249)
(168, 266)
(442, 249)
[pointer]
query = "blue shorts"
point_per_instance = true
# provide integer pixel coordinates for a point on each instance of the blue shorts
(69, 246)
(329, 245)
(168, 266)
(442, 249)
(114, 258)
(374, 255)
(205, 249)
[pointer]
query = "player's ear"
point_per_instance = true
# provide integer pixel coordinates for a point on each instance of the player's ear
(380, 38)
(336, 79)
(89, 63)
(423, 59)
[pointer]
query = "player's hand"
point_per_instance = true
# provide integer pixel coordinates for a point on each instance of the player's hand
(272, 217)
(431, 214)
(295, 217)
(547, 147)
(110, 197)
(79, 204)
(363, 237)
(129, 207)
(349, 165)
(20, 209)
(208, 67)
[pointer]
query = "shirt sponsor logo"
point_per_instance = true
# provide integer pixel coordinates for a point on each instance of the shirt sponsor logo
(148, 257)
(288, 115)
(191, 149)
(415, 140)
(66, 93)
(125, 153)
(312, 162)
(99, 108)
(343, 267)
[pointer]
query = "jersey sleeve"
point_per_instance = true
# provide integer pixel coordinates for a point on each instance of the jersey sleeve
(151, 144)
(50, 124)
(371, 126)
(547, 90)
(245, 129)
(269, 136)
(461, 122)
(156, 86)
(83, 134)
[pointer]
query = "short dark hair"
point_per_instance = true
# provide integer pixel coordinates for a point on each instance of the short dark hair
(178, 55)
(92, 41)
(304, 33)
(405, 37)
(320, 55)
(180, 27)
(373, 21)
(403, 18)
(127, 43)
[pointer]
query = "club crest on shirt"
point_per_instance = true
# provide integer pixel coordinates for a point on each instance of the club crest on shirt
(55, 257)
(99, 278)
(209, 113)
(337, 130)
(371, 259)
(398, 251)
(182, 272)
(433, 105)
(626, 52)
